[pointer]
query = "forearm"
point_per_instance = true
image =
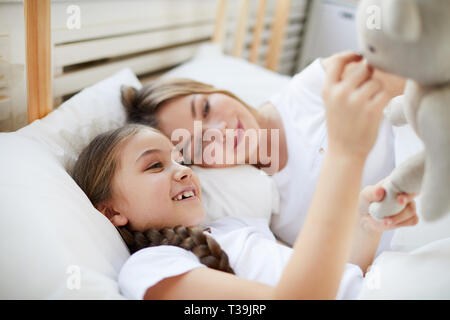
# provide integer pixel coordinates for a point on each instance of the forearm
(323, 247)
(364, 247)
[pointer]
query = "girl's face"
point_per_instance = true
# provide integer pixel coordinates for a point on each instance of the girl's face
(151, 187)
(224, 122)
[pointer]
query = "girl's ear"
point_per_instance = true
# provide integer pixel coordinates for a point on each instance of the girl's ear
(115, 217)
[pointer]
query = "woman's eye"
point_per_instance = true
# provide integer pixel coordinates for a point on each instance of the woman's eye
(156, 165)
(206, 109)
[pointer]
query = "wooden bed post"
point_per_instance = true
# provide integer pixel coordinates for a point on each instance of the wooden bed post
(219, 28)
(38, 58)
(277, 34)
(241, 28)
(257, 34)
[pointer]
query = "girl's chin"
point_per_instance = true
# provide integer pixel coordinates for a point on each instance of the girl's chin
(197, 219)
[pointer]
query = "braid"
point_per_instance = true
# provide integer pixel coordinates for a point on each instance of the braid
(207, 250)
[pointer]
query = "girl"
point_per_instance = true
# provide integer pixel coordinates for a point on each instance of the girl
(134, 176)
(298, 115)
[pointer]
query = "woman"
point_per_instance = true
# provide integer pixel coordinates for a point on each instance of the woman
(134, 177)
(296, 140)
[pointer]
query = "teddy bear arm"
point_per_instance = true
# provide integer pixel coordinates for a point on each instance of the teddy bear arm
(394, 112)
(406, 178)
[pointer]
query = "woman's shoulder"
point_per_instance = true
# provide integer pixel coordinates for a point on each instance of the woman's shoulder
(312, 75)
(303, 95)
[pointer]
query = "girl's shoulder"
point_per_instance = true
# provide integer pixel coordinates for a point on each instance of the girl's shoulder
(235, 223)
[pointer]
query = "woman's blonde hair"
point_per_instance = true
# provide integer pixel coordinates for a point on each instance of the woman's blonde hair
(94, 172)
(142, 105)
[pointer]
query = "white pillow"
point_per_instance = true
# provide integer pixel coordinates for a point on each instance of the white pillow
(241, 191)
(54, 243)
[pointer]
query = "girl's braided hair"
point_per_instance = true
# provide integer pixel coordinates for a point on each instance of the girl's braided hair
(94, 171)
(193, 239)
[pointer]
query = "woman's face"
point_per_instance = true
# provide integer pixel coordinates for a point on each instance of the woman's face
(222, 125)
(151, 188)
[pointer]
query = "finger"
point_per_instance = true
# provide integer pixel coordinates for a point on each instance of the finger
(404, 198)
(359, 76)
(338, 64)
(369, 89)
(410, 222)
(349, 69)
(373, 193)
(380, 101)
(407, 213)
(370, 194)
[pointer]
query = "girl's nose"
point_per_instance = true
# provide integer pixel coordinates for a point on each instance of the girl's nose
(182, 172)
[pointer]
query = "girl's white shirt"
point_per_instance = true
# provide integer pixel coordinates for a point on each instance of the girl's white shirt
(252, 250)
(303, 115)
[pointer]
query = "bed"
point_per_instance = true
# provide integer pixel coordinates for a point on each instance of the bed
(55, 245)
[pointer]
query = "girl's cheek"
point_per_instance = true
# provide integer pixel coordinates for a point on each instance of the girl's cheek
(160, 189)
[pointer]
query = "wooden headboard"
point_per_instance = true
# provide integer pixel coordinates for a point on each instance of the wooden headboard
(150, 38)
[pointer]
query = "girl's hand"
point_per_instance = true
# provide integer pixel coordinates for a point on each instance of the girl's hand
(354, 102)
(407, 217)
(392, 84)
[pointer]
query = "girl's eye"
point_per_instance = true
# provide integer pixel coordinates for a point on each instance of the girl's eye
(206, 109)
(156, 165)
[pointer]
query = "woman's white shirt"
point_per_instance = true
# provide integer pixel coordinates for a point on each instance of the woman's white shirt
(252, 250)
(301, 108)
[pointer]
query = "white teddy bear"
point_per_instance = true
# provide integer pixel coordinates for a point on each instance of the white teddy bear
(411, 38)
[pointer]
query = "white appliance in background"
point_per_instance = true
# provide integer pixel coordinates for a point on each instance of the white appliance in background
(330, 28)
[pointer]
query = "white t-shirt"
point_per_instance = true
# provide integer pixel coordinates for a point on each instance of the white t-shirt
(303, 114)
(252, 250)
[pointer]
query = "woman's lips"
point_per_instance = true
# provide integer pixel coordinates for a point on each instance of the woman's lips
(239, 134)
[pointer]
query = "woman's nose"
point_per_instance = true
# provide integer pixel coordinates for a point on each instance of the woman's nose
(220, 125)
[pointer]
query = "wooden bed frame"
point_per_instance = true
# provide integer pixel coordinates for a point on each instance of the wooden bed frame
(38, 45)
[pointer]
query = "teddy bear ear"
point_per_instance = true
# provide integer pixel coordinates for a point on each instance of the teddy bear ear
(401, 19)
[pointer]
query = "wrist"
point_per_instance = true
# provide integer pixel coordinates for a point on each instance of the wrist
(364, 228)
(343, 157)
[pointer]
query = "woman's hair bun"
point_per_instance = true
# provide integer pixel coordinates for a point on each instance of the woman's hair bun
(128, 97)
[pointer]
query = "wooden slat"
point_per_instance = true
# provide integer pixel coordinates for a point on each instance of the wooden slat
(241, 28)
(220, 22)
(74, 81)
(257, 32)
(291, 43)
(101, 19)
(79, 52)
(277, 34)
(38, 55)
(293, 30)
